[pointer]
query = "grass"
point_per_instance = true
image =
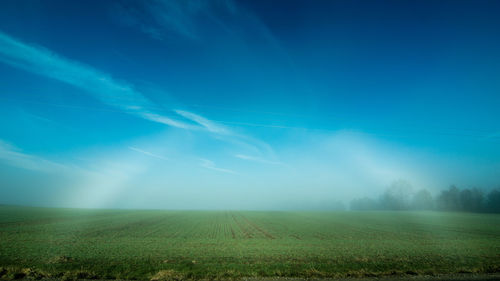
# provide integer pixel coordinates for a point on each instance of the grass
(176, 245)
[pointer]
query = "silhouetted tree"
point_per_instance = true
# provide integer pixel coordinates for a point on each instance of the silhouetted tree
(449, 199)
(422, 200)
(493, 201)
(471, 200)
(397, 196)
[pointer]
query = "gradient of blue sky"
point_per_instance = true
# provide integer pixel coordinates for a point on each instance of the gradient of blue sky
(244, 104)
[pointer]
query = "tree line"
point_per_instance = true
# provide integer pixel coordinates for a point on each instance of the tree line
(400, 196)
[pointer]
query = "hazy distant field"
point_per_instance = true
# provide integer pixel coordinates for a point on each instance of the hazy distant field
(218, 244)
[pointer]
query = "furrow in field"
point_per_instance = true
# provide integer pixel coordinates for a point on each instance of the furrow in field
(232, 233)
(228, 226)
(256, 227)
(241, 226)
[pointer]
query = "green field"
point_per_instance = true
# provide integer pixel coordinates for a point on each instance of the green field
(127, 244)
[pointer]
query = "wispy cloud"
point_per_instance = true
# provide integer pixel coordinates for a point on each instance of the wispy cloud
(13, 156)
(205, 163)
(147, 153)
(226, 134)
(97, 83)
(108, 90)
(160, 18)
(257, 159)
(211, 126)
(167, 121)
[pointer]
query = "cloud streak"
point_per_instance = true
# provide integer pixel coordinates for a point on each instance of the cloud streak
(211, 126)
(205, 163)
(160, 18)
(257, 159)
(110, 91)
(147, 153)
(13, 156)
(97, 83)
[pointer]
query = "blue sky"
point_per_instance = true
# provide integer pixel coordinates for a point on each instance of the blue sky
(245, 104)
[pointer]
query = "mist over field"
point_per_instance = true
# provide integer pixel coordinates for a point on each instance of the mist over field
(278, 140)
(244, 105)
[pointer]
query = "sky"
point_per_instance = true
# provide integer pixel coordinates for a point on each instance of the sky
(223, 104)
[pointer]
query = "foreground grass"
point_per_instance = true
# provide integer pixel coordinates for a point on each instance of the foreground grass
(175, 245)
